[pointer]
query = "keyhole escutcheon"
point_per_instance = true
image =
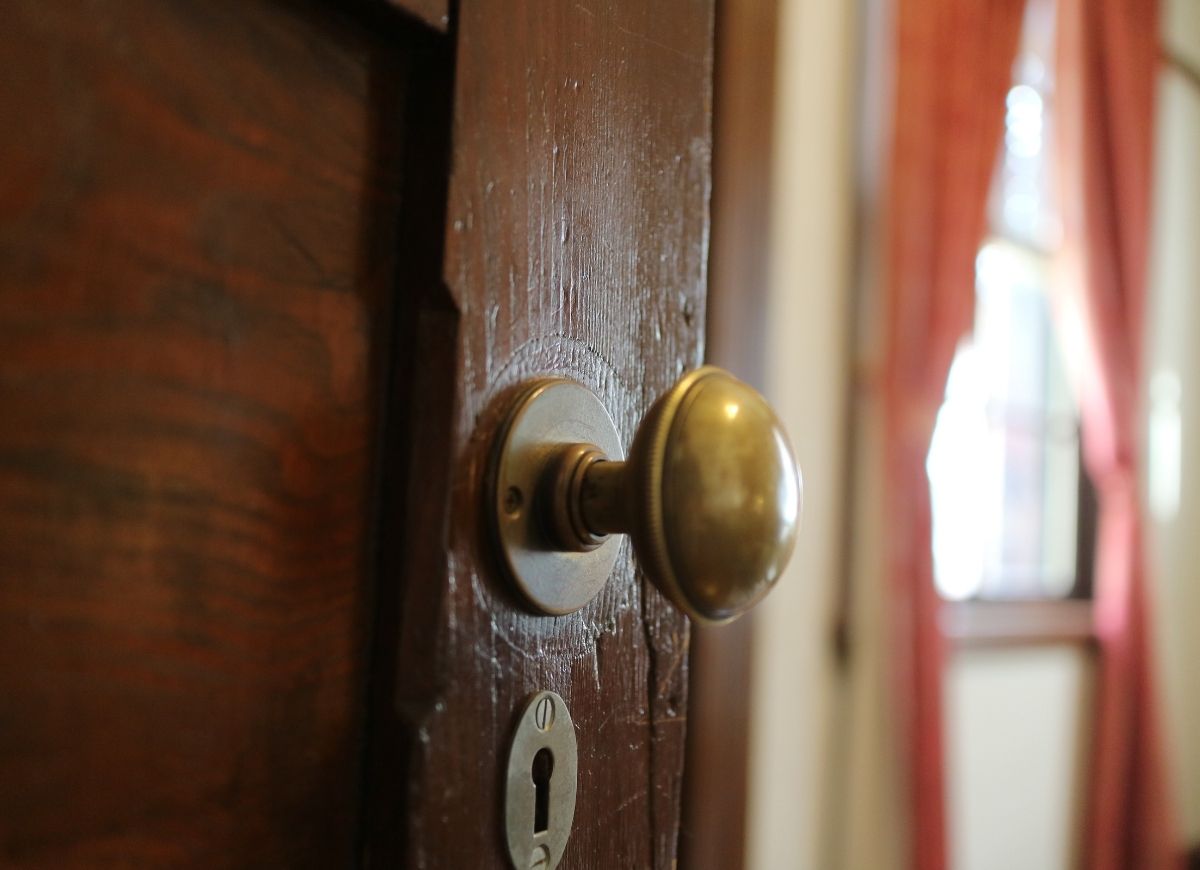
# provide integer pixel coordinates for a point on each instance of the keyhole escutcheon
(541, 783)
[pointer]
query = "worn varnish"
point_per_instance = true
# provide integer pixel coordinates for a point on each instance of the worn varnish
(577, 233)
(267, 270)
(196, 224)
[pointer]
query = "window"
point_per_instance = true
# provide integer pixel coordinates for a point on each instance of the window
(1011, 517)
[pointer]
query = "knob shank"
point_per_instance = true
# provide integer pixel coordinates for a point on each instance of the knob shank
(710, 494)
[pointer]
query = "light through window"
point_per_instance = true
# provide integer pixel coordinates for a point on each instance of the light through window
(1004, 463)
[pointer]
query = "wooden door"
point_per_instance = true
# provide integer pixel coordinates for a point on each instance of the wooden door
(576, 244)
(266, 268)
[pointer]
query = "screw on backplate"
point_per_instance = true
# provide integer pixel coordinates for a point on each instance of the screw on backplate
(543, 714)
(540, 858)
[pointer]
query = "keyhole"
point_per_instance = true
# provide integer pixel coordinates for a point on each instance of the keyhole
(543, 769)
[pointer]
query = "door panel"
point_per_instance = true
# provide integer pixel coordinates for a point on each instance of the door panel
(577, 233)
(267, 273)
(196, 224)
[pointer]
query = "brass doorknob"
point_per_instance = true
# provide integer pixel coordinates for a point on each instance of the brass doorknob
(710, 494)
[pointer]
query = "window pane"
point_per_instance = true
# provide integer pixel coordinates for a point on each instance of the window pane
(1004, 462)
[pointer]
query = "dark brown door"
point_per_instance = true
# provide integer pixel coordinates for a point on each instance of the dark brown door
(265, 268)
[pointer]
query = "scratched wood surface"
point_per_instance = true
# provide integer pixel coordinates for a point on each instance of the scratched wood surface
(195, 234)
(577, 234)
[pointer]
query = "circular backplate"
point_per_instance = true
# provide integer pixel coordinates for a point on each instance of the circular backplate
(545, 417)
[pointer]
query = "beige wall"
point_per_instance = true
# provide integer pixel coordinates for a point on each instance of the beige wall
(1173, 429)
(1014, 719)
(1181, 30)
(824, 787)
(806, 379)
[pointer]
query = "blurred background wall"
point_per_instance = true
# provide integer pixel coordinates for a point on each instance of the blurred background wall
(822, 782)
(765, 687)
(1173, 397)
(806, 375)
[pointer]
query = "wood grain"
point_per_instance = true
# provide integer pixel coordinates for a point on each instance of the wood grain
(196, 225)
(577, 236)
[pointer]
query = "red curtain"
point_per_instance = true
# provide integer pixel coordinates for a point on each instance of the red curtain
(953, 66)
(1108, 60)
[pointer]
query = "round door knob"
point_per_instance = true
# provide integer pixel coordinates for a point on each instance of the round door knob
(710, 494)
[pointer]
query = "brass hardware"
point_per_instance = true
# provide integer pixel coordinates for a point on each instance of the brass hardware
(711, 496)
(555, 429)
(543, 774)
